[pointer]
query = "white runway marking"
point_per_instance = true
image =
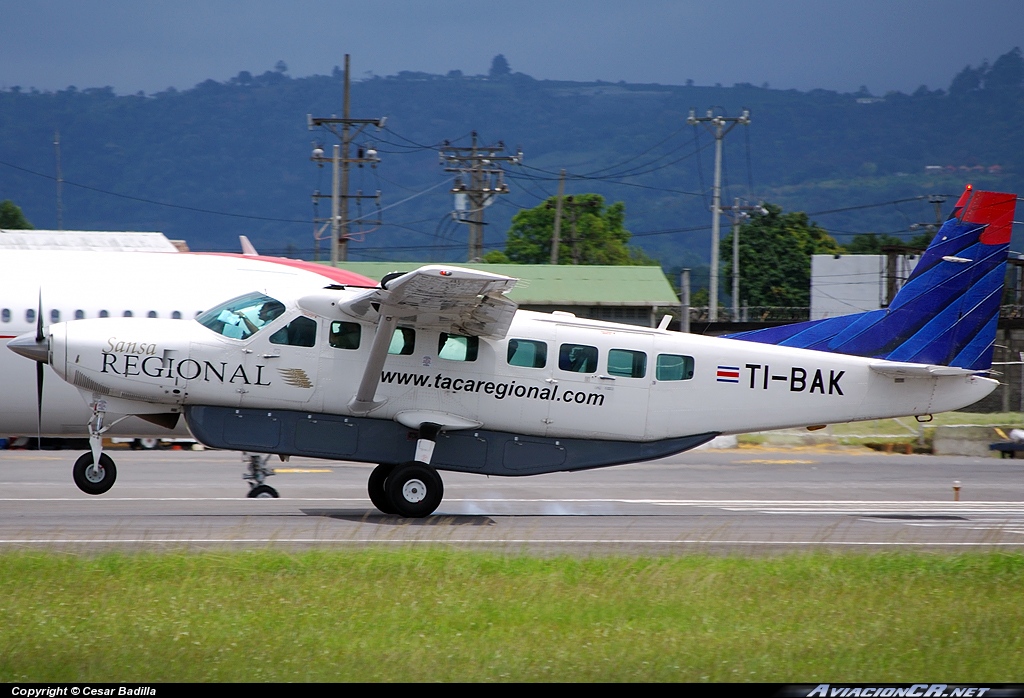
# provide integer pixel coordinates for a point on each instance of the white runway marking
(506, 541)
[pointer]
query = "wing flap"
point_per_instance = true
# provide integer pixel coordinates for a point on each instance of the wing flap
(445, 299)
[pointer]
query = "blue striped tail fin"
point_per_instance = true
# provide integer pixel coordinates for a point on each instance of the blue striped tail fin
(947, 311)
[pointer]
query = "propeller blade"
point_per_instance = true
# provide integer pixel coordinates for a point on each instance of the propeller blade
(39, 319)
(40, 336)
(39, 406)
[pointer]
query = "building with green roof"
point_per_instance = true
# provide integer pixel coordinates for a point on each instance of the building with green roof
(631, 295)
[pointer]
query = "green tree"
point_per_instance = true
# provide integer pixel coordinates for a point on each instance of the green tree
(600, 234)
(775, 257)
(11, 217)
(499, 67)
(872, 243)
(1007, 73)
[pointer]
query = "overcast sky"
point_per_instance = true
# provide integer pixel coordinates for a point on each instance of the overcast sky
(146, 45)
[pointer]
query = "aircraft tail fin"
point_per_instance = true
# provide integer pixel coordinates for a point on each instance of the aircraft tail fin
(947, 311)
(248, 249)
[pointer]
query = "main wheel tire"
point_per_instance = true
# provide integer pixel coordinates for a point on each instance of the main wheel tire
(414, 490)
(375, 487)
(94, 480)
(263, 492)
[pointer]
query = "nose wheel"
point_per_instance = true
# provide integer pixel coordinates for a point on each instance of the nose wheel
(94, 478)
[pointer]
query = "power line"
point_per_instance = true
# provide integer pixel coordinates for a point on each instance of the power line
(153, 201)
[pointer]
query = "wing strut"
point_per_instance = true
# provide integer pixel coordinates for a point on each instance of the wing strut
(363, 401)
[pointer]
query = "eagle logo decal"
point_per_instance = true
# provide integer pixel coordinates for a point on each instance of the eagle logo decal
(296, 377)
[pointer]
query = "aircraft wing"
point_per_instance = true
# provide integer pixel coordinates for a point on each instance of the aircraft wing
(900, 369)
(445, 299)
(440, 298)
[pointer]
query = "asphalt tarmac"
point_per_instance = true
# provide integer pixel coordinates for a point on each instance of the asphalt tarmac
(735, 501)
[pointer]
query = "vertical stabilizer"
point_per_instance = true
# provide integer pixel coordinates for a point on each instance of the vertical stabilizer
(947, 311)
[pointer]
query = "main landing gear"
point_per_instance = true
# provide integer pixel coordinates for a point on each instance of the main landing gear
(412, 489)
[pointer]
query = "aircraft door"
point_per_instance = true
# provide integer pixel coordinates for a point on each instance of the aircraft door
(602, 382)
(280, 365)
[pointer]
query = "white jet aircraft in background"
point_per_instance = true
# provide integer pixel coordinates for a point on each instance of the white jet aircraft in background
(436, 369)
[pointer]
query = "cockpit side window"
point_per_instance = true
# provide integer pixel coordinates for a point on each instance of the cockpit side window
(242, 317)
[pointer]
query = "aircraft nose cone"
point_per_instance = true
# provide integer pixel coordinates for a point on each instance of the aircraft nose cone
(28, 346)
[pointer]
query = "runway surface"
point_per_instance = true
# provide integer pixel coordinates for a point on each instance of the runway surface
(737, 501)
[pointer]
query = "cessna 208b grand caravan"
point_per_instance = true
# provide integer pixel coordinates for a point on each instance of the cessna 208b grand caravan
(435, 369)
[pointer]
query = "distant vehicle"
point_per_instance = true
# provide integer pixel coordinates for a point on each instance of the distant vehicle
(437, 370)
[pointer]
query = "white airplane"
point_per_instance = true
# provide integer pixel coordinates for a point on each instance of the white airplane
(73, 284)
(436, 369)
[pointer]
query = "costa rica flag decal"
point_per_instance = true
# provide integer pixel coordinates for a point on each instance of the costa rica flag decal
(728, 374)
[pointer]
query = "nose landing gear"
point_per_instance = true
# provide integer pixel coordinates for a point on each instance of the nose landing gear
(94, 471)
(93, 478)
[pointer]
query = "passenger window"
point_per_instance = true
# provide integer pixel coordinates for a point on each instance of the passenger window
(300, 332)
(403, 341)
(345, 335)
(627, 363)
(128, 313)
(673, 367)
(104, 313)
(54, 315)
(151, 313)
(5, 315)
(577, 358)
(176, 315)
(79, 314)
(30, 315)
(455, 347)
(527, 353)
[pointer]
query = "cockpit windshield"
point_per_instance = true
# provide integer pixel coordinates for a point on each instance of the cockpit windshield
(242, 317)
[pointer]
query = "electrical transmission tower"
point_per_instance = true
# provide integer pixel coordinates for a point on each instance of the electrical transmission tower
(478, 180)
(718, 126)
(346, 129)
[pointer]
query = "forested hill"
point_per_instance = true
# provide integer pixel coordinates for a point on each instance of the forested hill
(242, 148)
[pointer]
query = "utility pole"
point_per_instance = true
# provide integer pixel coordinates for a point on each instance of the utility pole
(935, 200)
(684, 301)
(894, 277)
(60, 181)
(718, 126)
(346, 129)
(558, 219)
(574, 207)
(737, 214)
(480, 165)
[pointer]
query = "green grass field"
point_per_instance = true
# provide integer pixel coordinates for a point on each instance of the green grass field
(440, 615)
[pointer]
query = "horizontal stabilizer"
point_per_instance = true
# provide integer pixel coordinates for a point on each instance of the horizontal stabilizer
(898, 369)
